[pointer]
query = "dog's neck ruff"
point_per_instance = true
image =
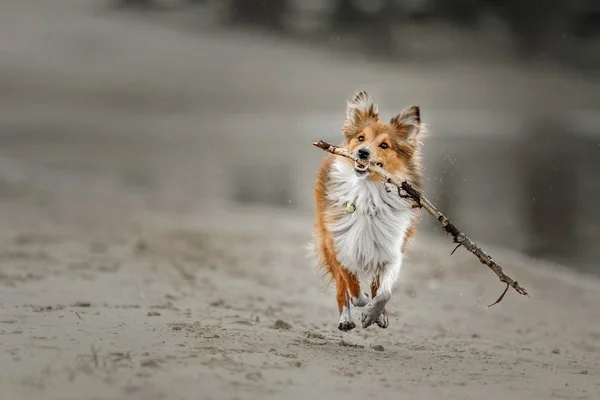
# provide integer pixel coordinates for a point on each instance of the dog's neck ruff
(368, 223)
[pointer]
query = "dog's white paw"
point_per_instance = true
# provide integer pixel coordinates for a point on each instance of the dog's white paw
(346, 324)
(373, 311)
(383, 321)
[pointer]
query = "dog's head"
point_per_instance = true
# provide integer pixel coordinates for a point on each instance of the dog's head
(394, 146)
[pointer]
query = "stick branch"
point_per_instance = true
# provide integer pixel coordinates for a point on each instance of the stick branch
(460, 238)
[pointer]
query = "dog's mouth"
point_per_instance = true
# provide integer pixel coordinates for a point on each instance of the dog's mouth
(359, 169)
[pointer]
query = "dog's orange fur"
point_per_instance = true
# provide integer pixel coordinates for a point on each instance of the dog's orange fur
(345, 281)
(401, 158)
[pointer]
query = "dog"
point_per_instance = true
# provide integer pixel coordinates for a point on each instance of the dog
(362, 228)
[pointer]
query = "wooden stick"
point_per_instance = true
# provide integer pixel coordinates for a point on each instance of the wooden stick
(460, 238)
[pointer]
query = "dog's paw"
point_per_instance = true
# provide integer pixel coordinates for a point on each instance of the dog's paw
(360, 301)
(372, 312)
(346, 326)
(383, 321)
(367, 318)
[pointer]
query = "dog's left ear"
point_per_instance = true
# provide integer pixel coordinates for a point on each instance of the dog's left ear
(361, 109)
(408, 123)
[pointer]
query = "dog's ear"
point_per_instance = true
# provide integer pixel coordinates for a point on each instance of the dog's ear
(407, 124)
(361, 110)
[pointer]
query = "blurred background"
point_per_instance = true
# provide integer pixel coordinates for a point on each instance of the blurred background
(217, 103)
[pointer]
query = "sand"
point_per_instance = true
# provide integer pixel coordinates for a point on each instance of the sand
(138, 302)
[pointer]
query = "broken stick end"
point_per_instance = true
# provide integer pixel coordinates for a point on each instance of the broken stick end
(322, 145)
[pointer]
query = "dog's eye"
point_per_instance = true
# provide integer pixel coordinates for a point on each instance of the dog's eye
(361, 138)
(384, 145)
(379, 164)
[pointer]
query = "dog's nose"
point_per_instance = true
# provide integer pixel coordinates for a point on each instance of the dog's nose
(364, 153)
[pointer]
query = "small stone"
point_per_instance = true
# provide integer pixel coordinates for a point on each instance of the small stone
(343, 343)
(378, 347)
(254, 376)
(555, 351)
(584, 372)
(281, 325)
(149, 363)
(153, 314)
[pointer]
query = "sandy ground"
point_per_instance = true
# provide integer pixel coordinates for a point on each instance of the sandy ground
(109, 297)
(126, 271)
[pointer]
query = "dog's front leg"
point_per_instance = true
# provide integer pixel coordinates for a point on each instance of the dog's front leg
(388, 277)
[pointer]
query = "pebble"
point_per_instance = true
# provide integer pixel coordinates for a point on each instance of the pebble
(282, 325)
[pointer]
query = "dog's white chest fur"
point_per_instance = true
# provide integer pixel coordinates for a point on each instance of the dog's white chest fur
(371, 237)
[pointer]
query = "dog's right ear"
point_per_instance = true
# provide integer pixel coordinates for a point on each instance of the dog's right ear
(361, 110)
(408, 123)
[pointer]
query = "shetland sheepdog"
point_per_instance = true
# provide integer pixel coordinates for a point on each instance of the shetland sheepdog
(362, 227)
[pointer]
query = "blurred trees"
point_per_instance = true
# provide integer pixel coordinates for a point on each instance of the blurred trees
(549, 29)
